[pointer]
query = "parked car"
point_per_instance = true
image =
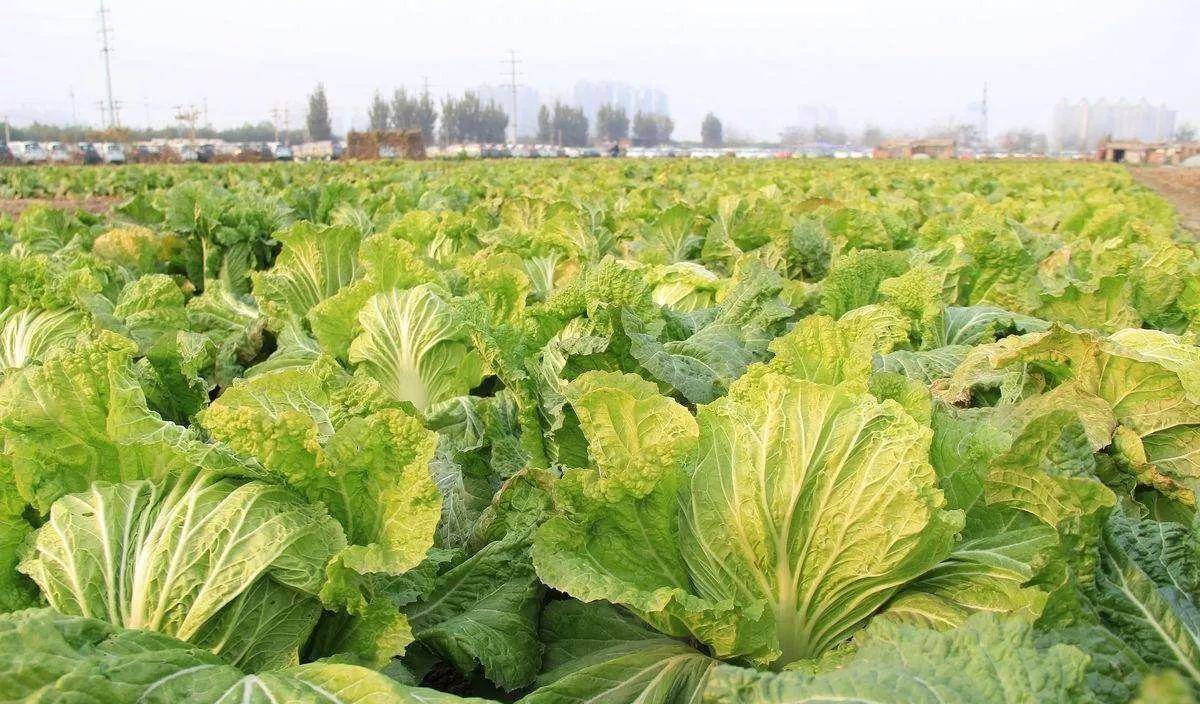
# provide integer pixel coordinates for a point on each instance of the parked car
(56, 153)
(188, 152)
(146, 153)
(326, 149)
(523, 151)
(206, 153)
(28, 152)
(113, 153)
(89, 153)
(495, 151)
(281, 152)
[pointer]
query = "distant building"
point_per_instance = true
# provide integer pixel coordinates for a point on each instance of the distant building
(1133, 151)
(590, 95)
(915, 149)
(1082, 126)
(814, 115)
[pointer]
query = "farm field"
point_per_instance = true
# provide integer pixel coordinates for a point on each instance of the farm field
(598, 432)
(1180, 186)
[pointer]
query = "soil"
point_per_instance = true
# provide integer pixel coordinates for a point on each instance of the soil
(96, 204)
(1180, 186)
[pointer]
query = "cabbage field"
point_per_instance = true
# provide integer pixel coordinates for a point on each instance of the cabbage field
(606, 432)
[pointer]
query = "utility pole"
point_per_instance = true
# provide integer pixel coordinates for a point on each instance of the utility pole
(7, 131)
(206, 123)
(513, 85)
(188, 117)
(287, 127)
(74, 114)
(275, 117)
(103, 114)
(106, 51)
(425, 86)
(983, 128)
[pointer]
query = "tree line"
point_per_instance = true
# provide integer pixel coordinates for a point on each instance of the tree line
(464, 119)
(469, 118)
(964, 134)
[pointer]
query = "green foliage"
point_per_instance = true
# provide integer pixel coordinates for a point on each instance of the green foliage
(73, 657)
(612, 123)
(607, 431)
(413, 113)
(317, 119)
(565, 125)
(710, 131)
(650, 129)
(469, 119)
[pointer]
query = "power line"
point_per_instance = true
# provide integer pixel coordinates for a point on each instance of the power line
(513, 85)
(283, 115)
(106, 50)
(107, 111)
(188, 115)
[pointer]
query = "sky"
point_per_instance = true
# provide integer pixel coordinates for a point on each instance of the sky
(900, 65)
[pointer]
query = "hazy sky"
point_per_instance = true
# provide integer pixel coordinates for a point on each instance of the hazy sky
(898, 64)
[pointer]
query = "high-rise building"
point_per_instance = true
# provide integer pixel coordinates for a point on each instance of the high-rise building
(815, 115)
(590, 95)
(1082, 125)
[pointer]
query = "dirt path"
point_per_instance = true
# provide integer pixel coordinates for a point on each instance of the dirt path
(1180, 186)
(95, 204)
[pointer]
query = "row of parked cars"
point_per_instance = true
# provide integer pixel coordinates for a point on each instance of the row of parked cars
(62, 153)
(115, 153)
(505, 151)
(527, 151)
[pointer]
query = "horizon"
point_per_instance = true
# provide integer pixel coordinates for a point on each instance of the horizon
(760, 69)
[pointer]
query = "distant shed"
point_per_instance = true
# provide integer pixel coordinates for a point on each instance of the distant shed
(1184, 151)
(1127, 151)
(915, 148)
(390, 144)
(1132, 151)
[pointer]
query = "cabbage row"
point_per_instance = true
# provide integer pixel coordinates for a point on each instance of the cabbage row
(604, 433)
